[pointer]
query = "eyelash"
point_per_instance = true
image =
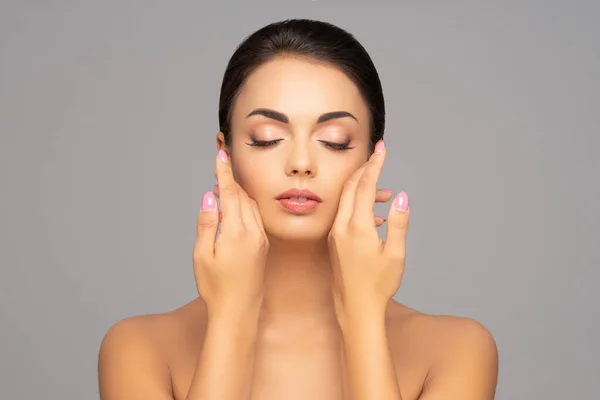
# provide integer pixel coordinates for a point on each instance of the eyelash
(263, 143)
(269, 143)
(337, 146)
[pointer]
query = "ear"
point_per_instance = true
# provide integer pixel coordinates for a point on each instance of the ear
(222, 146)
(221, 142)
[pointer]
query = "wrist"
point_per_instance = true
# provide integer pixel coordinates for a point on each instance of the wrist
(234, 311)
(350, 311)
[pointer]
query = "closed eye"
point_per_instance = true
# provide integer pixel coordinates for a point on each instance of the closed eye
(337, 146)
(269, 143)
(263, 143)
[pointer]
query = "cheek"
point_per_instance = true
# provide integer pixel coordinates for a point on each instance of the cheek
(349, 170)
(337, 177)
(251, 175)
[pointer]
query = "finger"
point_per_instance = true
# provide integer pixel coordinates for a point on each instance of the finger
(347, 198)
(397, 225)
(379, 221)
(247, 210)
(251, 209)
(206, 228)
(257, 215)
(383, 195)
(366, 187)
(346, 204)
(228, 193)
(216, 190)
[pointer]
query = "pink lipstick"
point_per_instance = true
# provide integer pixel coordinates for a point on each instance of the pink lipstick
(299, 201)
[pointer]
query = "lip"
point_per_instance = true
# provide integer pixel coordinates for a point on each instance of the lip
(298, 206)
(299, 193)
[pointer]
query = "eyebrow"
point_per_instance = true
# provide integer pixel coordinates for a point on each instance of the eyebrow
(278, 116)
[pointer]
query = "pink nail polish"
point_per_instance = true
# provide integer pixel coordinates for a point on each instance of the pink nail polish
(401, 202)
(379, 146)
(223, 156)
(386, 190)
(208, 201)
(216, 186)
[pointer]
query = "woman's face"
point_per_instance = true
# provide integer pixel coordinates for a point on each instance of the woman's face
(305, 149)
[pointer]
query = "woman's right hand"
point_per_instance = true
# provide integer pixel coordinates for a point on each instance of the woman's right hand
(229, 269)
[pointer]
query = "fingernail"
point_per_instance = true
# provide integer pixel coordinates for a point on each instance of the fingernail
(386, 190)
(379, 146)
(222, 156)
(401, 201)
(208, 201)
(216, 186)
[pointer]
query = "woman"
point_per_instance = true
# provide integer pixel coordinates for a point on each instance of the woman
(296, 289)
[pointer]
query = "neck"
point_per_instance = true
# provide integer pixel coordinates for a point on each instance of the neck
(297, 282)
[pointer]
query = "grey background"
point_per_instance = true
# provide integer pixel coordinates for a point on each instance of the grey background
(108, 114)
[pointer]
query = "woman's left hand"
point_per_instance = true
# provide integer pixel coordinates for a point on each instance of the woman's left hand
(367, 271)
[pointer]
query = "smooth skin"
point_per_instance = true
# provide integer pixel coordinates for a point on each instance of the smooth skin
(298, 306)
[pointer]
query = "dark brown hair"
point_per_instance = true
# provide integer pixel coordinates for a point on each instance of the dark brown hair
(313, 39)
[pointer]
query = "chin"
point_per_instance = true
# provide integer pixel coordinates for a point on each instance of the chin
(299, 228)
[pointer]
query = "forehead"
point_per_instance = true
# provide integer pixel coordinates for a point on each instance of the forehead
(300, 88)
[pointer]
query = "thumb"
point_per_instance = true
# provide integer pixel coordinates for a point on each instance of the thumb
(208, 222)
(397, 225)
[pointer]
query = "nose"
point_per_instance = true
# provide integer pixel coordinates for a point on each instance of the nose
(300, 161)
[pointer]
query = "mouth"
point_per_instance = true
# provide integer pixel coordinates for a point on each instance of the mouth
(299, 201)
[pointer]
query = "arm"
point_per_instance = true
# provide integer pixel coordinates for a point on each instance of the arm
(225, 367)
(470, 369)
(370, 368)
(129, 367)
(366, 273)
(228, 271)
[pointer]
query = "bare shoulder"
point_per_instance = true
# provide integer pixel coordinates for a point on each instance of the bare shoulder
(451, 347)
(440, 331)
(134, 354)
(155, 331)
